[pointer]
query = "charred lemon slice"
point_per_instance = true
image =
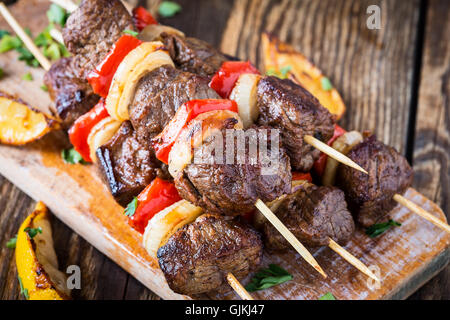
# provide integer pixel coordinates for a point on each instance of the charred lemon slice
(20, 124)
(36, 260)
(283, 60)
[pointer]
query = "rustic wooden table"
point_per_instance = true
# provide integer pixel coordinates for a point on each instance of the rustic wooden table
(395, 81)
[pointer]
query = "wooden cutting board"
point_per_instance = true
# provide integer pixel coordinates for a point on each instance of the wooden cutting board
(404, 258)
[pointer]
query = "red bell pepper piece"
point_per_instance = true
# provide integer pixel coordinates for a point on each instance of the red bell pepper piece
(142, 18)
(101, 77)
(301, 176)
(165, 140)
(319, 165)
(225, 79)
(79, 132)
(157, 196)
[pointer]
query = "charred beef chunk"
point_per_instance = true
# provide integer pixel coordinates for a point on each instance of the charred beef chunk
(313, 214)
(194, 55)
(158, 96)
(197, 258)
(73, 96)
(92, 29)
(370, 196)
(128, 165)
(233, 188)
(288, 107)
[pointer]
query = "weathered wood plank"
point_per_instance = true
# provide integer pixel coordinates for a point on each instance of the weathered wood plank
(432, 140)
(372, 69)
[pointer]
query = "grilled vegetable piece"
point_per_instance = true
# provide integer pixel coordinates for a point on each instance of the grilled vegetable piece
(343, 144)
(281, 58)
(100, 134)
(153, 32)
(165, 223)
(36, 260)
(21, 124)
(140, 61)
(197, 258)
(244, 93)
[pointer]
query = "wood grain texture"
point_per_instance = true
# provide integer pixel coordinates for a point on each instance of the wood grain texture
(368, 67)
(432, 136)
(372, 69)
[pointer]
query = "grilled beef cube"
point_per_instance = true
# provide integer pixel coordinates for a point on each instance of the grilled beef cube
(128, 165)
(370, 196)
(232, 189)
(313, 214)
(93, 29)
(194, 55)
(158, 96)
(73, 96)
(198, 257)
(290, 108)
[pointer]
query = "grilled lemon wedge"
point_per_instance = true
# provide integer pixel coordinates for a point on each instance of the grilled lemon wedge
(20, 124)
(36, 260)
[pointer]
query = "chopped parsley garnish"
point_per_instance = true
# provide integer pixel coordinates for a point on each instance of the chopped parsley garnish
(131, 208)
(72, 156)
(44, 88)
(168, 9)
(28, 77)
(32, 232)
(131, 32)
(266, 278)
(326, 84)
(282, 74)
(23, 291)
(57, 15)
(11, 244)
(380, 228)
(327, 296)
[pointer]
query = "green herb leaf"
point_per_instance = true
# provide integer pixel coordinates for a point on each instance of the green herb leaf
(52, 51)
(72, 156)
(57, 15)
(266, 278)
(285, 71)
(23, 291)
(3, 33)
(168, 9)
(32, 232)
(11, 244)
(2, 73)
(326, 84)
(44, 38)
(282, 74)
(131, 208)
(27, 56)
(44, 88)
(28, 77)
(327, 296)
(131, 32)
(380, 228)
(9, 42)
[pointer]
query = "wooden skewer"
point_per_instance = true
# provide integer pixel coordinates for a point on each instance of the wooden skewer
(333, 153)
(352, 259)
(289, 236)
(57, 35)
(237, 286)
(45, 63)
(421, 212)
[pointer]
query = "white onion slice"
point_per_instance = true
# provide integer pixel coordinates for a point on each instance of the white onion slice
(343, 144)
(140, 61)
(100, 134)
(244, 93)
(166, 222)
